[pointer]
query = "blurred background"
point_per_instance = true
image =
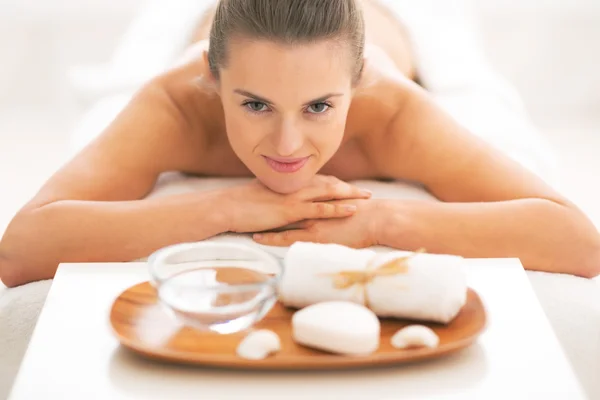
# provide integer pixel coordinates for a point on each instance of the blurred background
(549, 49)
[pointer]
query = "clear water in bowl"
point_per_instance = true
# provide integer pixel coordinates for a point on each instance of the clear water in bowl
(222, 299)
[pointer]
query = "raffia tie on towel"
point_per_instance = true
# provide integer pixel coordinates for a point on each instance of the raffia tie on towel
(346, 279)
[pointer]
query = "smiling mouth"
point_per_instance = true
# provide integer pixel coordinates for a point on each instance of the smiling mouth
(286, 165)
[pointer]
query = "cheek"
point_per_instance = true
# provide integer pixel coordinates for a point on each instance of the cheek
(243, 131)
(328, 135)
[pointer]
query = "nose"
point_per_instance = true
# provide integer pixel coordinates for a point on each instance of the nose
(289, 139)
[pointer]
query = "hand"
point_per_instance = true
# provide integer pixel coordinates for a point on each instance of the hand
(358, 231)
(253, 207)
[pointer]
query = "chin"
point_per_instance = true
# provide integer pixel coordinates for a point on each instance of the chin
(284, 184)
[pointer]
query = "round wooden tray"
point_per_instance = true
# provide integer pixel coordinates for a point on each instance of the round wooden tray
(143, 325)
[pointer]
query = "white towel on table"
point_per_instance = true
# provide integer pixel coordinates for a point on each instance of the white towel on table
(433, 287)
(307, 266)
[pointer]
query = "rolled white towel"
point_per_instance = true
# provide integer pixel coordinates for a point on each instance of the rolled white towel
(421, 287)
(307, 273)
(434, 288)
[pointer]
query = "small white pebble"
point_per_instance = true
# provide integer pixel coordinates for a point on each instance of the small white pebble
(259, 344)
(415, 336)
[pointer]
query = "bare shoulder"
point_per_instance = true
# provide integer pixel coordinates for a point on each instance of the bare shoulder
(378, 101)
(421, 142)
(382, 83)
(168, 111)
(157, 131)
(189, 88)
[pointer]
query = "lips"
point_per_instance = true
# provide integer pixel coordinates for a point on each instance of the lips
(286, 165)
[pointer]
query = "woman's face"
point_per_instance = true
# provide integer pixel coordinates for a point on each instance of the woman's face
(285, 108)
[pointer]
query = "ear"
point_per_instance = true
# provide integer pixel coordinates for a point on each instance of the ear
(206, 66)
(360, 80)
(205, 57)
(365, 65)
(206, 72)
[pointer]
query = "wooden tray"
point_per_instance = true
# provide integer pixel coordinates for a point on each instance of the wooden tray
(143, 325)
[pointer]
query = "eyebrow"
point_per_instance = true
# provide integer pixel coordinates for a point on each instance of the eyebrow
(267, 101)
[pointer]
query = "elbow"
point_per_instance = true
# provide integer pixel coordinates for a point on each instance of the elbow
(15, 270)
(590, 266)
(15, 260)
(583, 258)
(9, 272)
(584, 253)
(590, 262)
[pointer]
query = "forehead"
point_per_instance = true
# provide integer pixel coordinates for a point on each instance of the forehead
(262, 66)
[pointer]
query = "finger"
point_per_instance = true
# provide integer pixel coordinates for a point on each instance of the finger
(327, 210)
(324, 179)
(285, 238)
(340, 191)
(303, 224)
(306, 224)
(334, 191)
(294, 225)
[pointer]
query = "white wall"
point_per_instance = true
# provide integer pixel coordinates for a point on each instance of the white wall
(550, 49)
(41, 39)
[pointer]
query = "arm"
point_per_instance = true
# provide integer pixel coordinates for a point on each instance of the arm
(97, 231)
(87, 211)
(493, 206)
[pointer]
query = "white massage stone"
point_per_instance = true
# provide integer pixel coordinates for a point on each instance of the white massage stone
(340, 327)
(415, 336)
(259, 344)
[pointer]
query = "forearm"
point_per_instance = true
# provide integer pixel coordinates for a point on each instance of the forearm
(38, 240)
(544, 235)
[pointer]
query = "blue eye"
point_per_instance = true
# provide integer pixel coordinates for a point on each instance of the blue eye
(256, 106)
(318, 108)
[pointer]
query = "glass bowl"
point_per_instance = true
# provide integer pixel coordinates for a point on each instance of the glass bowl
(214, 286)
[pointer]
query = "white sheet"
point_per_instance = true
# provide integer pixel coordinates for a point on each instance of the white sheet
(19, 310)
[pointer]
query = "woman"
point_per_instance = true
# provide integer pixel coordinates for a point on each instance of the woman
(303, 95)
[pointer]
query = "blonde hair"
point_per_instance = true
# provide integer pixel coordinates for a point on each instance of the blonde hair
(287, 22)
